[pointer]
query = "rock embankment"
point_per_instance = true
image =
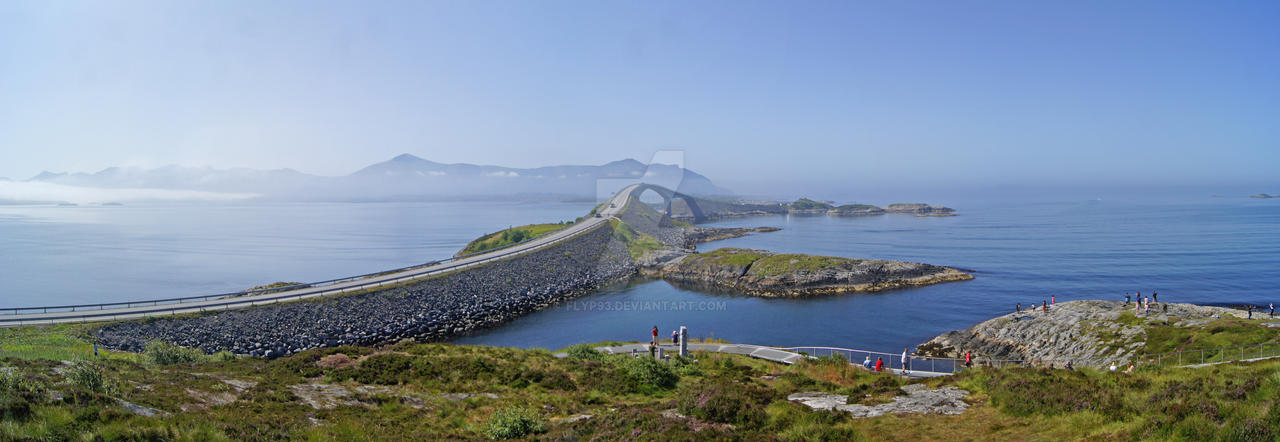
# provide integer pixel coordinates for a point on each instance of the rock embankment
(430, 309)
(764, 273)
(1087, 333)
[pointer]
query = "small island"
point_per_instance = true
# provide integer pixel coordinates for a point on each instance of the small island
(1264, 196)
(768, 274)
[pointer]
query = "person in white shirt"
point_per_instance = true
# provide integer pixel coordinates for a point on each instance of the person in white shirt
(905, 368)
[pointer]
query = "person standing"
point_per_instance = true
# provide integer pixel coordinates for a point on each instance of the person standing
(906, 368)
(1053, 299)
(1272, 313)
(1019, 307)
(1126, 298)
(968, 359)
(675, 337)
(1155, 297)
(655, 335)
(1146, 310)
(1250, 310)
(1046, 305)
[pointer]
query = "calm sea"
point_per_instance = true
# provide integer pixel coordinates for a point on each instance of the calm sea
(1200, 250)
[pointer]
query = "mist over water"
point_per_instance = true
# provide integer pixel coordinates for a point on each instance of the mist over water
(1190, 249)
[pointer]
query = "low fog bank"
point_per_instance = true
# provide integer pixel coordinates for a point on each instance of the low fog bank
(19, 192)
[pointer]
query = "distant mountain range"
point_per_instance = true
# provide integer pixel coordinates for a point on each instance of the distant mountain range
(405, 177)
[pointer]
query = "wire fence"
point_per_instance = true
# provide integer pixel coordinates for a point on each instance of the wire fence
(1214, 355)
(191, 304)
(893, 361)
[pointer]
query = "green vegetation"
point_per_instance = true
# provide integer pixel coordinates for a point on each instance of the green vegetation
(808, 204)
(790, 263)
(1163, 338)
(62, 342)
(638, 243)
(513, 422)
(412, 391)
(729, 256)
(510, 236)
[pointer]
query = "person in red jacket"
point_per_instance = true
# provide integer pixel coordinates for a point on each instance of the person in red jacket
(655, 335)
(879, 364)
(968, 359)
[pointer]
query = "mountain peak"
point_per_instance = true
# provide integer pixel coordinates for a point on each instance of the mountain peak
(406, 158)
(46, 175)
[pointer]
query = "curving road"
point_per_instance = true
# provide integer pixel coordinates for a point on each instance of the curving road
(607, 212)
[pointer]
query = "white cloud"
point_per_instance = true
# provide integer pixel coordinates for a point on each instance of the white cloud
(507, 174)
(38, 191)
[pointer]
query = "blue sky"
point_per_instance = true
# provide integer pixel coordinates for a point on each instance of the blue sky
(801, 95)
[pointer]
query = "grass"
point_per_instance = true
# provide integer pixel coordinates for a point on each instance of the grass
(790, 263)
(61, 342)
(510, 236)
(730, 257)
(1226, 332)
(638, 243)
(398, 392)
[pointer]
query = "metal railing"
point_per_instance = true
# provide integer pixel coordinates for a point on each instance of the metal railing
(931, 363)
(174, 306)
(1214, 355)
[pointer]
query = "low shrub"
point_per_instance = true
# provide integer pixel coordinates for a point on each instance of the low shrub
(513, 422)
(725, 401)
(1027, 391)
(586, 352)
(645, 375)
(89, 375)
(163, 353)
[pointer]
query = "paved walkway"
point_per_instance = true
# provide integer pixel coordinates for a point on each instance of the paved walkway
(755, 351)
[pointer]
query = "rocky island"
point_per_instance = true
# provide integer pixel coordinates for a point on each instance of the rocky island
(764, 273)
(1264, 196)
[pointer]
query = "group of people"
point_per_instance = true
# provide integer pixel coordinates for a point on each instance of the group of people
(879, 364)
(1143, 304)
(1044, 304)
(1270, 314)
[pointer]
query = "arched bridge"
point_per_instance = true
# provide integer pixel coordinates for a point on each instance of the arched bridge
(668, 196)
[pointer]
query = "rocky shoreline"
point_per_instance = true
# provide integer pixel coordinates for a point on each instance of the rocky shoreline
(1088, 333)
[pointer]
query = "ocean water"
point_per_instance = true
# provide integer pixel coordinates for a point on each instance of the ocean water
(1201, 250)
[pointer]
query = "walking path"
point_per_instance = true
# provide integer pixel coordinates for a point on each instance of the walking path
(756, 351)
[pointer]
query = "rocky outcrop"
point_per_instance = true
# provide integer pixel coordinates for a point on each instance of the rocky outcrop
(1087, 333)
(918, 399)
(1264, 196)
(919, 209)
(764, 273)
(432, 309)
(698, 235)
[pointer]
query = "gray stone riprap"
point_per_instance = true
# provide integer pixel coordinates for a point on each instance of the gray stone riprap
(919, 399)
(1087, 333)
(431, 310)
